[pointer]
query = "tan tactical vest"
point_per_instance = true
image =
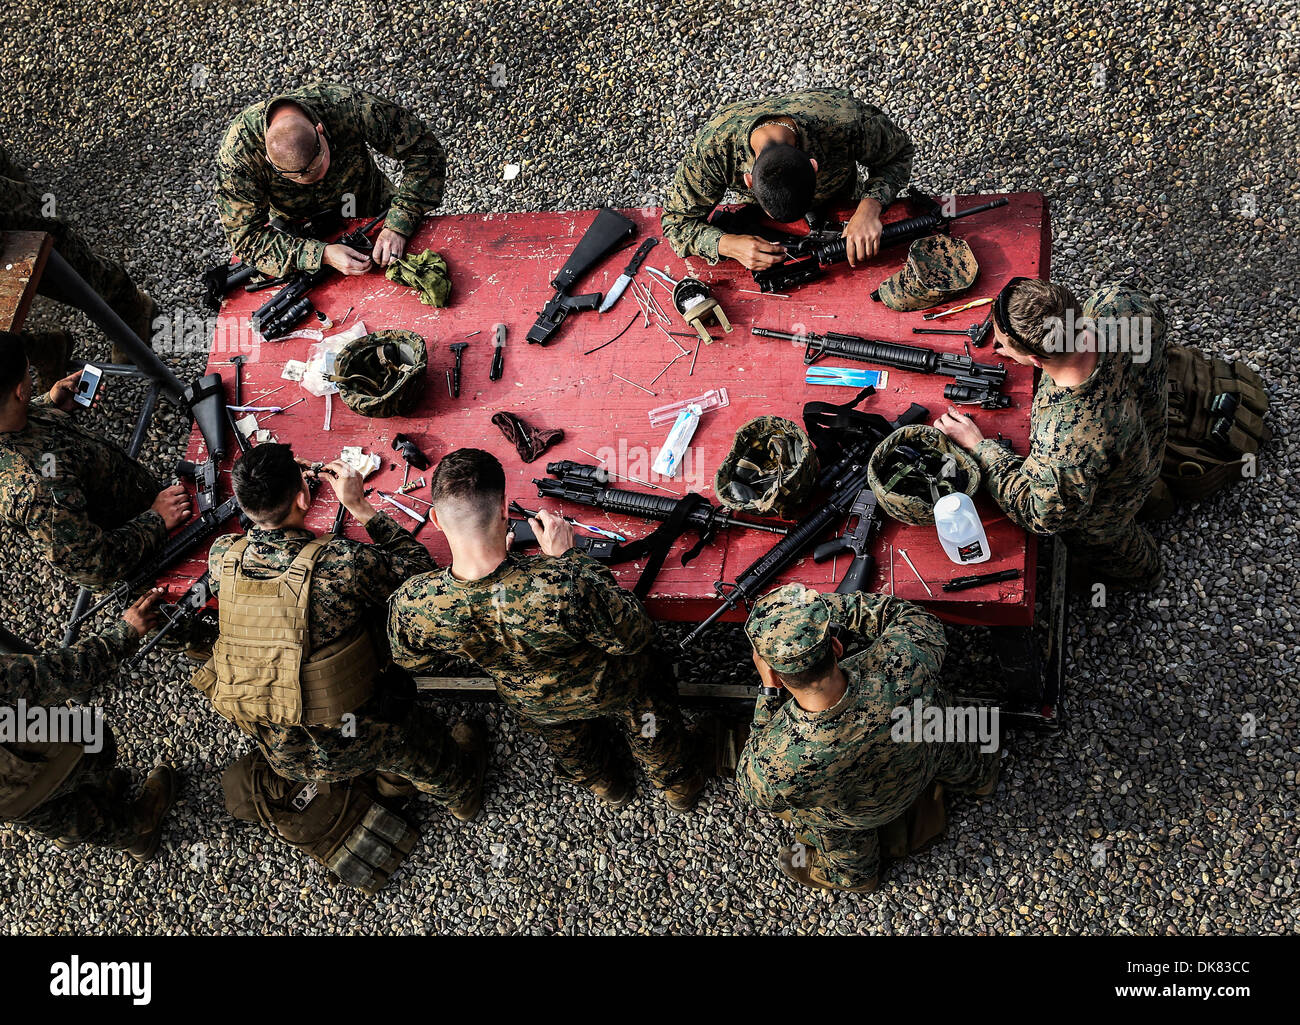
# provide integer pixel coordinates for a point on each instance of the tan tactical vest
(258, 657)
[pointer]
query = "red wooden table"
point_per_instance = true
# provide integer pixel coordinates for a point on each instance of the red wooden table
(501, 265)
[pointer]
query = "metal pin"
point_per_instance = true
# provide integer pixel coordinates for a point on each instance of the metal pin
(903, 553)
(635, 385)
(891, 571)
(769, 295)
(666, 366)
(449, 394)
(823, 316)
(698, 341)
(289, 406)
(329, 408)
(271, 392)
(346, 315)
(676, 343)
(473, 333)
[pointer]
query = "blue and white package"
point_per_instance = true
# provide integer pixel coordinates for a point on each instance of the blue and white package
(669, 459)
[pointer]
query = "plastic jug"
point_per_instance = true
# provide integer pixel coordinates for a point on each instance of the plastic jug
(960, 531)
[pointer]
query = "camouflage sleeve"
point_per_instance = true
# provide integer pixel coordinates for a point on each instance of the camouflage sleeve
(395, 556)
(886, 149)
(602, 613)
(412, 636)
(397, 133)
(56, 520)
(698, 187)
(219, 548)
(243, 208)
(913, 637)
(51, 677)
(1037, 496)
(758, 773)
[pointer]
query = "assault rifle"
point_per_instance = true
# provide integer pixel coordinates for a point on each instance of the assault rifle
(587, 485)
(178, 613)
(972, 382)
(846, 480)
(210, 520)
(283, 311)
(601, 548)
(821, 249)
(606, 233)
(865, 514)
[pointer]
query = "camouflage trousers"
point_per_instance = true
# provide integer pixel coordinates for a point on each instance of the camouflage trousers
(21, 210)
(585, 747)
(1127, 554)
(91, 806)
(851, 855)
(419, 748)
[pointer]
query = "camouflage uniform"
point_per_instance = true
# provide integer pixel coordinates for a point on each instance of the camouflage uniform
(1095, 452)
(21, 205)
(569, 650)
(248, 188)
(80, 498)
(836, 129)
(838, 772)
(351, 583)
(90, 803)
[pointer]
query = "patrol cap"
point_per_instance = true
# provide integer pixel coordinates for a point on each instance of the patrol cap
(937, 269)
(790, 628)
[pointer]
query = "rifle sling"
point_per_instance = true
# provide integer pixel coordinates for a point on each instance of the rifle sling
(654, 546)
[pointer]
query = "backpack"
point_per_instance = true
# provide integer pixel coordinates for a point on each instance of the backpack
(1216, 423)
(341, 825)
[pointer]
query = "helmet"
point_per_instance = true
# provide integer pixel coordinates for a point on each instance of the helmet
(909, 463)
(382, 374)
(770, 470)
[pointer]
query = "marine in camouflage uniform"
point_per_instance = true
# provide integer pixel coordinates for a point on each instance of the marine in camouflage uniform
(85, 797)
(23, 208)
(835, 128)
(838, 773)
(1095, 452)
(351, 583)
(568, 649)
(249, 189)
(83, 502)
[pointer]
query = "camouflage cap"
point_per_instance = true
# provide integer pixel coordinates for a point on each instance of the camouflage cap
(382, 374)
(790, 628)
(937, 269)
(770, 470)
(955, 466)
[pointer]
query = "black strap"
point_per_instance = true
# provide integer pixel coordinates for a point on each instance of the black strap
(833, 427)
(654, 546)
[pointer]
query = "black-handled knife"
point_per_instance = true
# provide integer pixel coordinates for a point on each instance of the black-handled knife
(629, 272)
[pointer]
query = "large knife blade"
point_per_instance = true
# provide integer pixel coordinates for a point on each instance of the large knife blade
(629, 272)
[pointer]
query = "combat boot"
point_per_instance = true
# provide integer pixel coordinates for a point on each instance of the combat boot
(471, 736)
(139, 313)
(117, 784)
(48, 352)
(684, 796)
(617, 792)
(156, 797)
(810, 876)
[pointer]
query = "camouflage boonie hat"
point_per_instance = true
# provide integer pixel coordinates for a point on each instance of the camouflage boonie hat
(938, 268)
(382, 374)
(906, 495)
(790, 628)
(770, 470)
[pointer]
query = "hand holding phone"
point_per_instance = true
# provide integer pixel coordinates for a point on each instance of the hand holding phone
(88, 385)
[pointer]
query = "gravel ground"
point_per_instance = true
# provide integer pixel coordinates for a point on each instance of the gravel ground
(1166, 140)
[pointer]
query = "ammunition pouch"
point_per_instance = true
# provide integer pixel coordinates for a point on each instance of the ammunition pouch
(343, 826)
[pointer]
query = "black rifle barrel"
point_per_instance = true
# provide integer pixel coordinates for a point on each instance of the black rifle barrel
(586, 491)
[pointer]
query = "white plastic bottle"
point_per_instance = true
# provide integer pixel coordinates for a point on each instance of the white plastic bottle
(960, 531)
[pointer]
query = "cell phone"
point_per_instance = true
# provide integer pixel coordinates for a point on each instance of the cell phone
(88, 385)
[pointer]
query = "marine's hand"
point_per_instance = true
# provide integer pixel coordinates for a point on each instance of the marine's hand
(389, 246)
(346, 260)
(960, 428)
(142, 616)
(863, 232)
(554, 533)
(349, 486)
(750, 251)
(61, 395)
(173, 505)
